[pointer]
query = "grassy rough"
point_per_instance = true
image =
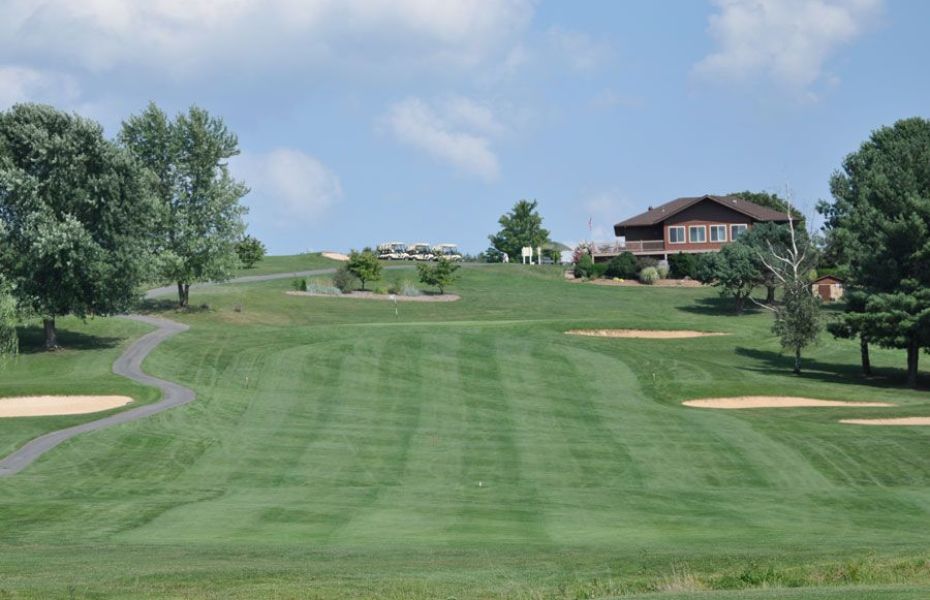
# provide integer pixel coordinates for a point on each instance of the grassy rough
(472, 450)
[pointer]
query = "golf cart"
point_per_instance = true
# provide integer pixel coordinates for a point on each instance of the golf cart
(420, 251)
(392, 251)
(447, 251)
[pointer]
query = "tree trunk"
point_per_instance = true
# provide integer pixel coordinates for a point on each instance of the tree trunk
(797, 361)
(184, 290)
(770, 294)
(739, 304)
(51, 337)
(864, 352)
(913, 355)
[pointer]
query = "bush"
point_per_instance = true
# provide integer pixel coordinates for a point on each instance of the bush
(381, 290)
(300, 284)
(623, 266)
(683, 265)
(408, 289)
(649, 275)
(663, 271)
(344, 280)
(250, 250)
(323, 287)
(584, 267)
(599, 271)
(643, 262)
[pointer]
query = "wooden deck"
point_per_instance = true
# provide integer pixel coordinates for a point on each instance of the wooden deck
(644, 247)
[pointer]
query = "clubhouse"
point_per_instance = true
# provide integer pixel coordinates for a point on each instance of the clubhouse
(694, 224)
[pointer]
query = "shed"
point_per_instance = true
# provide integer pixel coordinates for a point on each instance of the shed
(828, 287)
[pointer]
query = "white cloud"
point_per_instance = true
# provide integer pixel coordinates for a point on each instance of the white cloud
(786, 40)
(23, 84)
(289, 188)
(182, 37)
(457, 135)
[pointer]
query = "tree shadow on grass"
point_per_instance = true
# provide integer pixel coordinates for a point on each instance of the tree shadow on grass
(32, 340)
(812, 369)
(719, 306)
(162, 305)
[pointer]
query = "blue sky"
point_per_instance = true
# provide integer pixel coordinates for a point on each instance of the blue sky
(362, 121)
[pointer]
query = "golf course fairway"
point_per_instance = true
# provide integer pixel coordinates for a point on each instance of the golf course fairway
(467, 449)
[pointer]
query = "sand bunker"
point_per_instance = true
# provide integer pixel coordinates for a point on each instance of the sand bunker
(902, 421)
(773, 402)
(646, 334)
(43, 406)
(335, 256)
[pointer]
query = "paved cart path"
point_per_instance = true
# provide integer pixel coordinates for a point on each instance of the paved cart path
(129, 364)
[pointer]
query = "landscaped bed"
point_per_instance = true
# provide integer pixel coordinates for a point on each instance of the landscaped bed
(374, 296)
(659, 283)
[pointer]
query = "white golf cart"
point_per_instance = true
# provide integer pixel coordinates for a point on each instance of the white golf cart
(393, 251)
(447, 251)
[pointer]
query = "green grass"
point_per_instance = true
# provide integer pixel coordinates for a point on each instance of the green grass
(472, 450)
(290, 263)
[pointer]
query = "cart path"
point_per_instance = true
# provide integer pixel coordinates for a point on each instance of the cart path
(129, 364)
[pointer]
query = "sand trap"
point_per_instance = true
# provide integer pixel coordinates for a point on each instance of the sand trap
(43, 406)
(773, 402)
(335, 256)
(902, 421)
(374, 296)
(647, 334)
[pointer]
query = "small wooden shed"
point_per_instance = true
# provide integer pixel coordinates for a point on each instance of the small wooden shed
(828, 287)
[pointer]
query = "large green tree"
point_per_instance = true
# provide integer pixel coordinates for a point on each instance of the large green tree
(77, 214)
(734, 271)
(771, 200)
(520, 227)
(881, 218)
(200, 220)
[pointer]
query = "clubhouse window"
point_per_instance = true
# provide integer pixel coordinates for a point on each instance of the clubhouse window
(718, 233)
(676, 235)
(737, 230)
(697, 234)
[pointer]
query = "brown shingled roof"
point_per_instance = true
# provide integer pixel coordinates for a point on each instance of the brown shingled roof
(656, 215)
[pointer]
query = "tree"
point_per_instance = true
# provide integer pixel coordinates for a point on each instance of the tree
(797, 317)
(881, 218)
(364, 265)
(250, 250)
(200, 218)
(521, 227)
(765, 238)
(844, 327)
(441, 274)
(9, 341)
(733, 270)
(77, 214)
(773, 201)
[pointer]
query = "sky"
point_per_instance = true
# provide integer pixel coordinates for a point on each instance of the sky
(364, 121)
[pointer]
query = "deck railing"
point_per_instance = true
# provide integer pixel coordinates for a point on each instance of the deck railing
(618, 247)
